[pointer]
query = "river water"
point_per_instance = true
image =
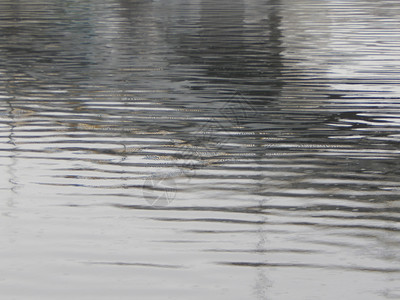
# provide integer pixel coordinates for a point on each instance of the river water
(241, 149)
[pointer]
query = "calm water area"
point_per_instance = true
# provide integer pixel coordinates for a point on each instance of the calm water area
(200, 149)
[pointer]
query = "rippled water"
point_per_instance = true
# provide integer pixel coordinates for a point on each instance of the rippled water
(200, 149)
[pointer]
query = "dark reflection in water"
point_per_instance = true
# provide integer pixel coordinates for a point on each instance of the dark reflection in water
(184, 147)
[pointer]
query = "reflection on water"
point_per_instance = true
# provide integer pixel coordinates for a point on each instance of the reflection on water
(226, 149)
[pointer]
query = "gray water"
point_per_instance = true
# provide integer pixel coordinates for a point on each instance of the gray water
(241, 149)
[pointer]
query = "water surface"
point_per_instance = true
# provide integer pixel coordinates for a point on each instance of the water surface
(200, 149)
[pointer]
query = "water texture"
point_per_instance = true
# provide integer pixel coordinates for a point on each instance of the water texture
(200, 149)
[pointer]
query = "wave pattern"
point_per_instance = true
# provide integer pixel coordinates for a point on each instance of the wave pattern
(181, 147)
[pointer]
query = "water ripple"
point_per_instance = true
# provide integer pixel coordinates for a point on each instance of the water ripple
(190, 138)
